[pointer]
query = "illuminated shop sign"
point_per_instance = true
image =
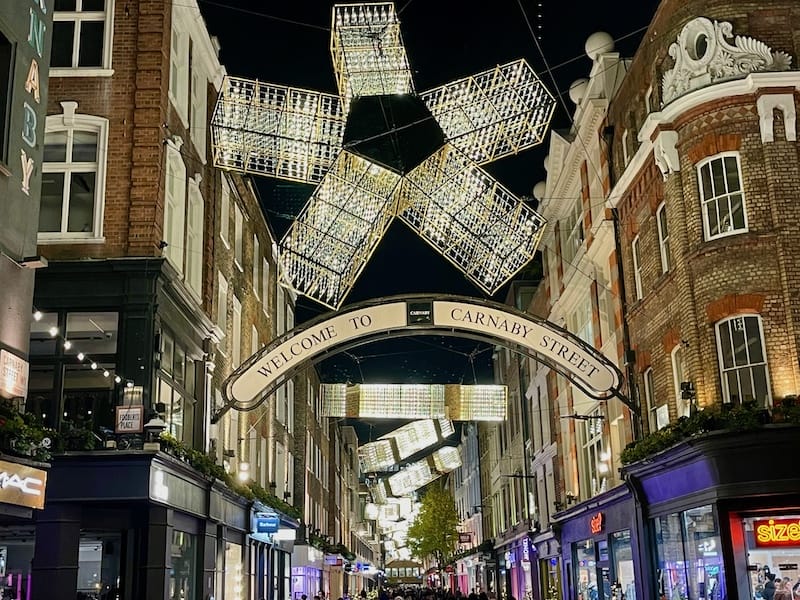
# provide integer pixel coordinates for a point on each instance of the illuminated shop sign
(596, 522)
(268, 524)
(777, 532)
(22, 485)
(13, 375)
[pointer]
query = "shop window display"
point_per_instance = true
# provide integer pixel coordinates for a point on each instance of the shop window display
(234, 576)
(16, 553)
(689, 556)
(773, 554)
(183, 574)
(623, 565)
(586, 570)
(99, 566)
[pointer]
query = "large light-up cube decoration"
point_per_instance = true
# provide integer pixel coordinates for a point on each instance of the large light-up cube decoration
(379, 150)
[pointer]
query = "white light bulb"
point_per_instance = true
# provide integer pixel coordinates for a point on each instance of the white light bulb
(94, 365)
(53, 331)
(106, 373)
(37, 316)
(67, 344)
(81, 356)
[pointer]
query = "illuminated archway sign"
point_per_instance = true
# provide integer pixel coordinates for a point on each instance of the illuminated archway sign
(252, 383)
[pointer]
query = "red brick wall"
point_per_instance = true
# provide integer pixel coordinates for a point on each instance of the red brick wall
(756, 271)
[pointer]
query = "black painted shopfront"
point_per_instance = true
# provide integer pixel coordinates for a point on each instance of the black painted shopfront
(144, 525)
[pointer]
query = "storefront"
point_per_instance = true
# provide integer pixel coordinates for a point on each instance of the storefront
(139, 524)
(22, 493)
(722, 514)
(597, 541)
(307, 564)
(547, 553)
(516, 567)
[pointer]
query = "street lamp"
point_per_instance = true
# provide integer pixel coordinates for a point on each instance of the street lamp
(152, 431)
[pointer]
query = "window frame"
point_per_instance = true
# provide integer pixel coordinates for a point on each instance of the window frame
(198, 107)
(175, 205)
(236, 333)
(256, 265)
(238, 237)
(648, 383)
(195, 233)
(705, 203)
(71, 122)
(76, 16)
(678, 364)
(265, 285)
(663, 238)
(726, 395)
(625, 154)
(638, 289)
(179, 71)
(222, 310)
(572, 240)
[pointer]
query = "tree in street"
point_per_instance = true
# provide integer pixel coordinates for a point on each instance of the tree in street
(434, 533)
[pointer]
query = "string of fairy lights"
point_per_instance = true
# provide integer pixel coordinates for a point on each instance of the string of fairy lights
(55, 332)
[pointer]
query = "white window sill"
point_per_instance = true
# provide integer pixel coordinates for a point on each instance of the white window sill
(80, 72)
(44, 241)
(727, 234)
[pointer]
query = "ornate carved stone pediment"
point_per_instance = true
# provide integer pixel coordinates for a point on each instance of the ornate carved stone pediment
(703, 55)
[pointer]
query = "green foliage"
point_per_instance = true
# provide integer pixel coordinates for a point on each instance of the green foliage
(745, 417)
(206, 465)
(322, 544)
(434, 533)
(24, 434)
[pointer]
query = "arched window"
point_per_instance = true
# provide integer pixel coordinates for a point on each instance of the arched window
(743, 360)
(73, 176)
(721, 196)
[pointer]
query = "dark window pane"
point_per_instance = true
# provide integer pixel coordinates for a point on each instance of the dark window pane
(754, 340)
(63, 36)
(43, 343)
(759, 375)
(733, 174)
(65, 5)
(5, 84)
(733, 387)
(725, 344)
(55, 146)
(52, 199)
(719, 177)
(93, 333)
(178, 362)
(705, 173)
(84, 146)
(90, 53)
(81, 203)
(93, 5)
(738, 211)
(739, 342)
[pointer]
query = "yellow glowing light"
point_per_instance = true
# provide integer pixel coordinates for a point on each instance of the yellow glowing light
(448, 199)
(431, 401)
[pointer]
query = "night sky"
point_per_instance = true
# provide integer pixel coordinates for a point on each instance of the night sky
(288, 43)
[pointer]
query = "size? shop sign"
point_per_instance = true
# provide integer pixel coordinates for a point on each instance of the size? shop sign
(777, 532)
(22, 485)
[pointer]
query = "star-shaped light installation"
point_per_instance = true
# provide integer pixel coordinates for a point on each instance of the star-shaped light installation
(379, 151)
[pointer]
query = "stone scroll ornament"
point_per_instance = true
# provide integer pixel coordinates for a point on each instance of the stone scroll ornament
(703, 56)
